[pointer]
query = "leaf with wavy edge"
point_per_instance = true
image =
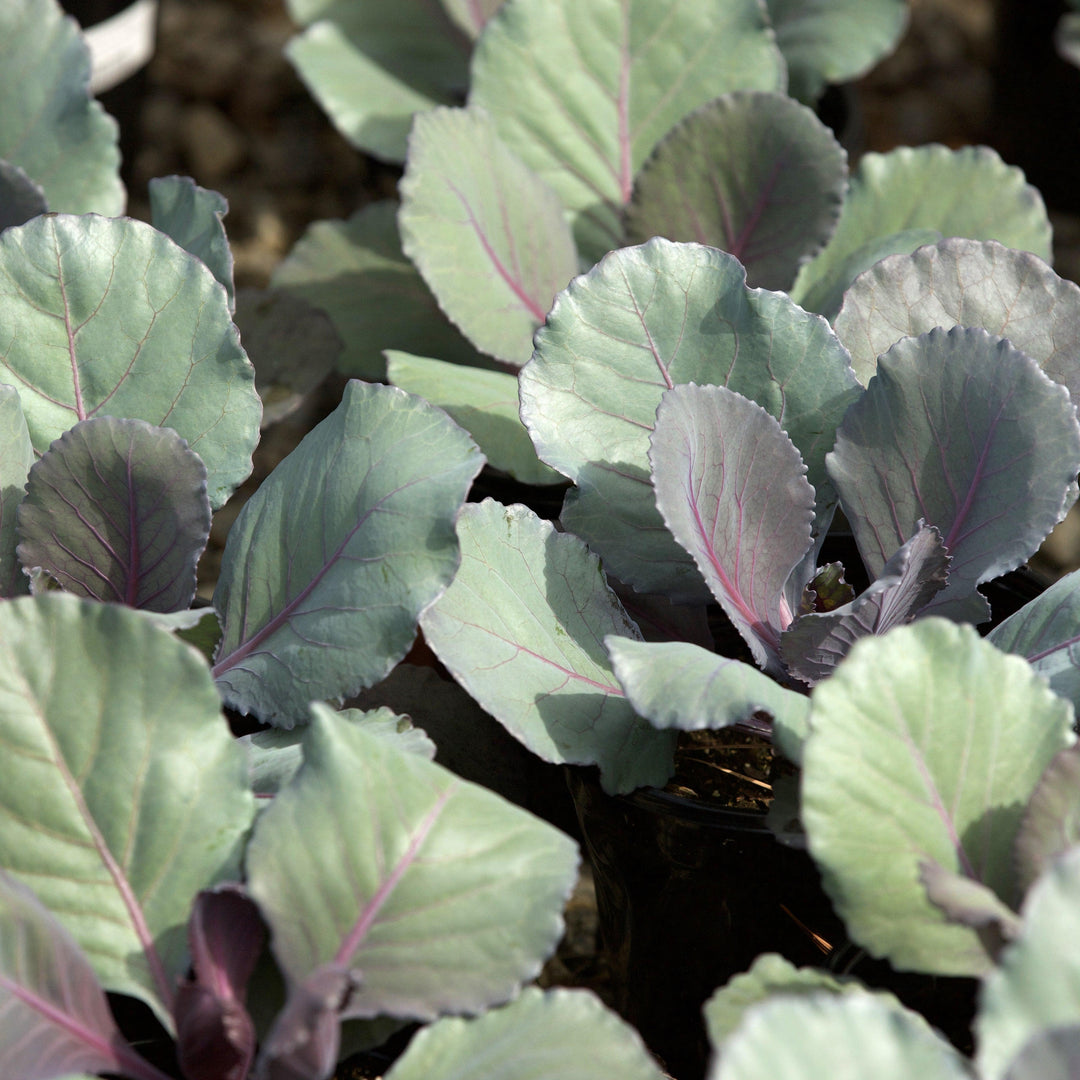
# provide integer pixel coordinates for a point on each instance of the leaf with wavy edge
(115, 319)
(962, 431)
(933, 741)
(583, 92)
(16, 457)
(438, 896)
(486, 233)
(752, 173)
(116, 510)
(522, 628)
(957, 282)
(122, 792)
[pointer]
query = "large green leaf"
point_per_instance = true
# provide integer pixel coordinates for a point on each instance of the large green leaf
(115, 319)
(484, 230)
(755, 174)
(122, 792)
(832, 41)
(969, 192)
(826, 1036)
(16, 457)
(584, 91)
(439, 895)
(372, 64)
(50, 126)
(1051, 822)
(331, 561)
(1012, 294)
(544, 1034)
(1037, 984)
(961, 431)
(355, 271)
(641, 321)
(484, 403)
(924, 747)
(522, 629)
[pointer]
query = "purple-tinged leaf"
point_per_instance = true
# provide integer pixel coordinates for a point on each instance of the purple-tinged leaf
(1051, 822)
(215, 1037)
(815, 643)
(432, 893)
(961, 431)
(116, 510)
(54, 1017)
(732, 489)
(303, 1043)
(16, 457)
(754, 174)
(827, 590)
(487, 234)
(970, 903)
(1046, 632)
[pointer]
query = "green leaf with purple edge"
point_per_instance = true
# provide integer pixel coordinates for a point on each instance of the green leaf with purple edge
(962, 431)
(331, 561)
(933, 741)
(16, 457)
(817, 641)
(752, 173)
(584, 92)
(1051, 822)
(428, 857)
(486, 233)
(116, 510)
(522, 628)
(732, 490)
(643, 320)
(958, 282)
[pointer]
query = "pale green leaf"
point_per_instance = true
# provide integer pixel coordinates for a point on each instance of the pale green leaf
(16, 457)
(471, 15)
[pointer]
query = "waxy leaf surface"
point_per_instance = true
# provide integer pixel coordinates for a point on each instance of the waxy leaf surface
(355, 271)
(933, 741)
(484, 403)
(485, 232)
(371, 66)
(122, 792)
(434, 894)
(963, 432)
(334, 557)
(732, 490)
(545, 1033)
(114, 319)
(1036, 984)
(1011, 294)
(831, 41)
(522, 628)
(969, 192)
(755, 174)
(50, 126)
(16, 457)
(116, 510)
(583, 92)
(641, 321)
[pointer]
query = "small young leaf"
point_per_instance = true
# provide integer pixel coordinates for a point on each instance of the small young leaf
(332, 560)
(16, 457)
(1051, 822)
(545, 1033)
(354, 270)
(962, 431)
(194, 217)
(1012, 294)
(487, 234)
(931, 740)
(116, 510)
(754, 174)
(20, 198)
(522, 629)
(732, 489)
(116, 320)
(583, 92)
(425, 857)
